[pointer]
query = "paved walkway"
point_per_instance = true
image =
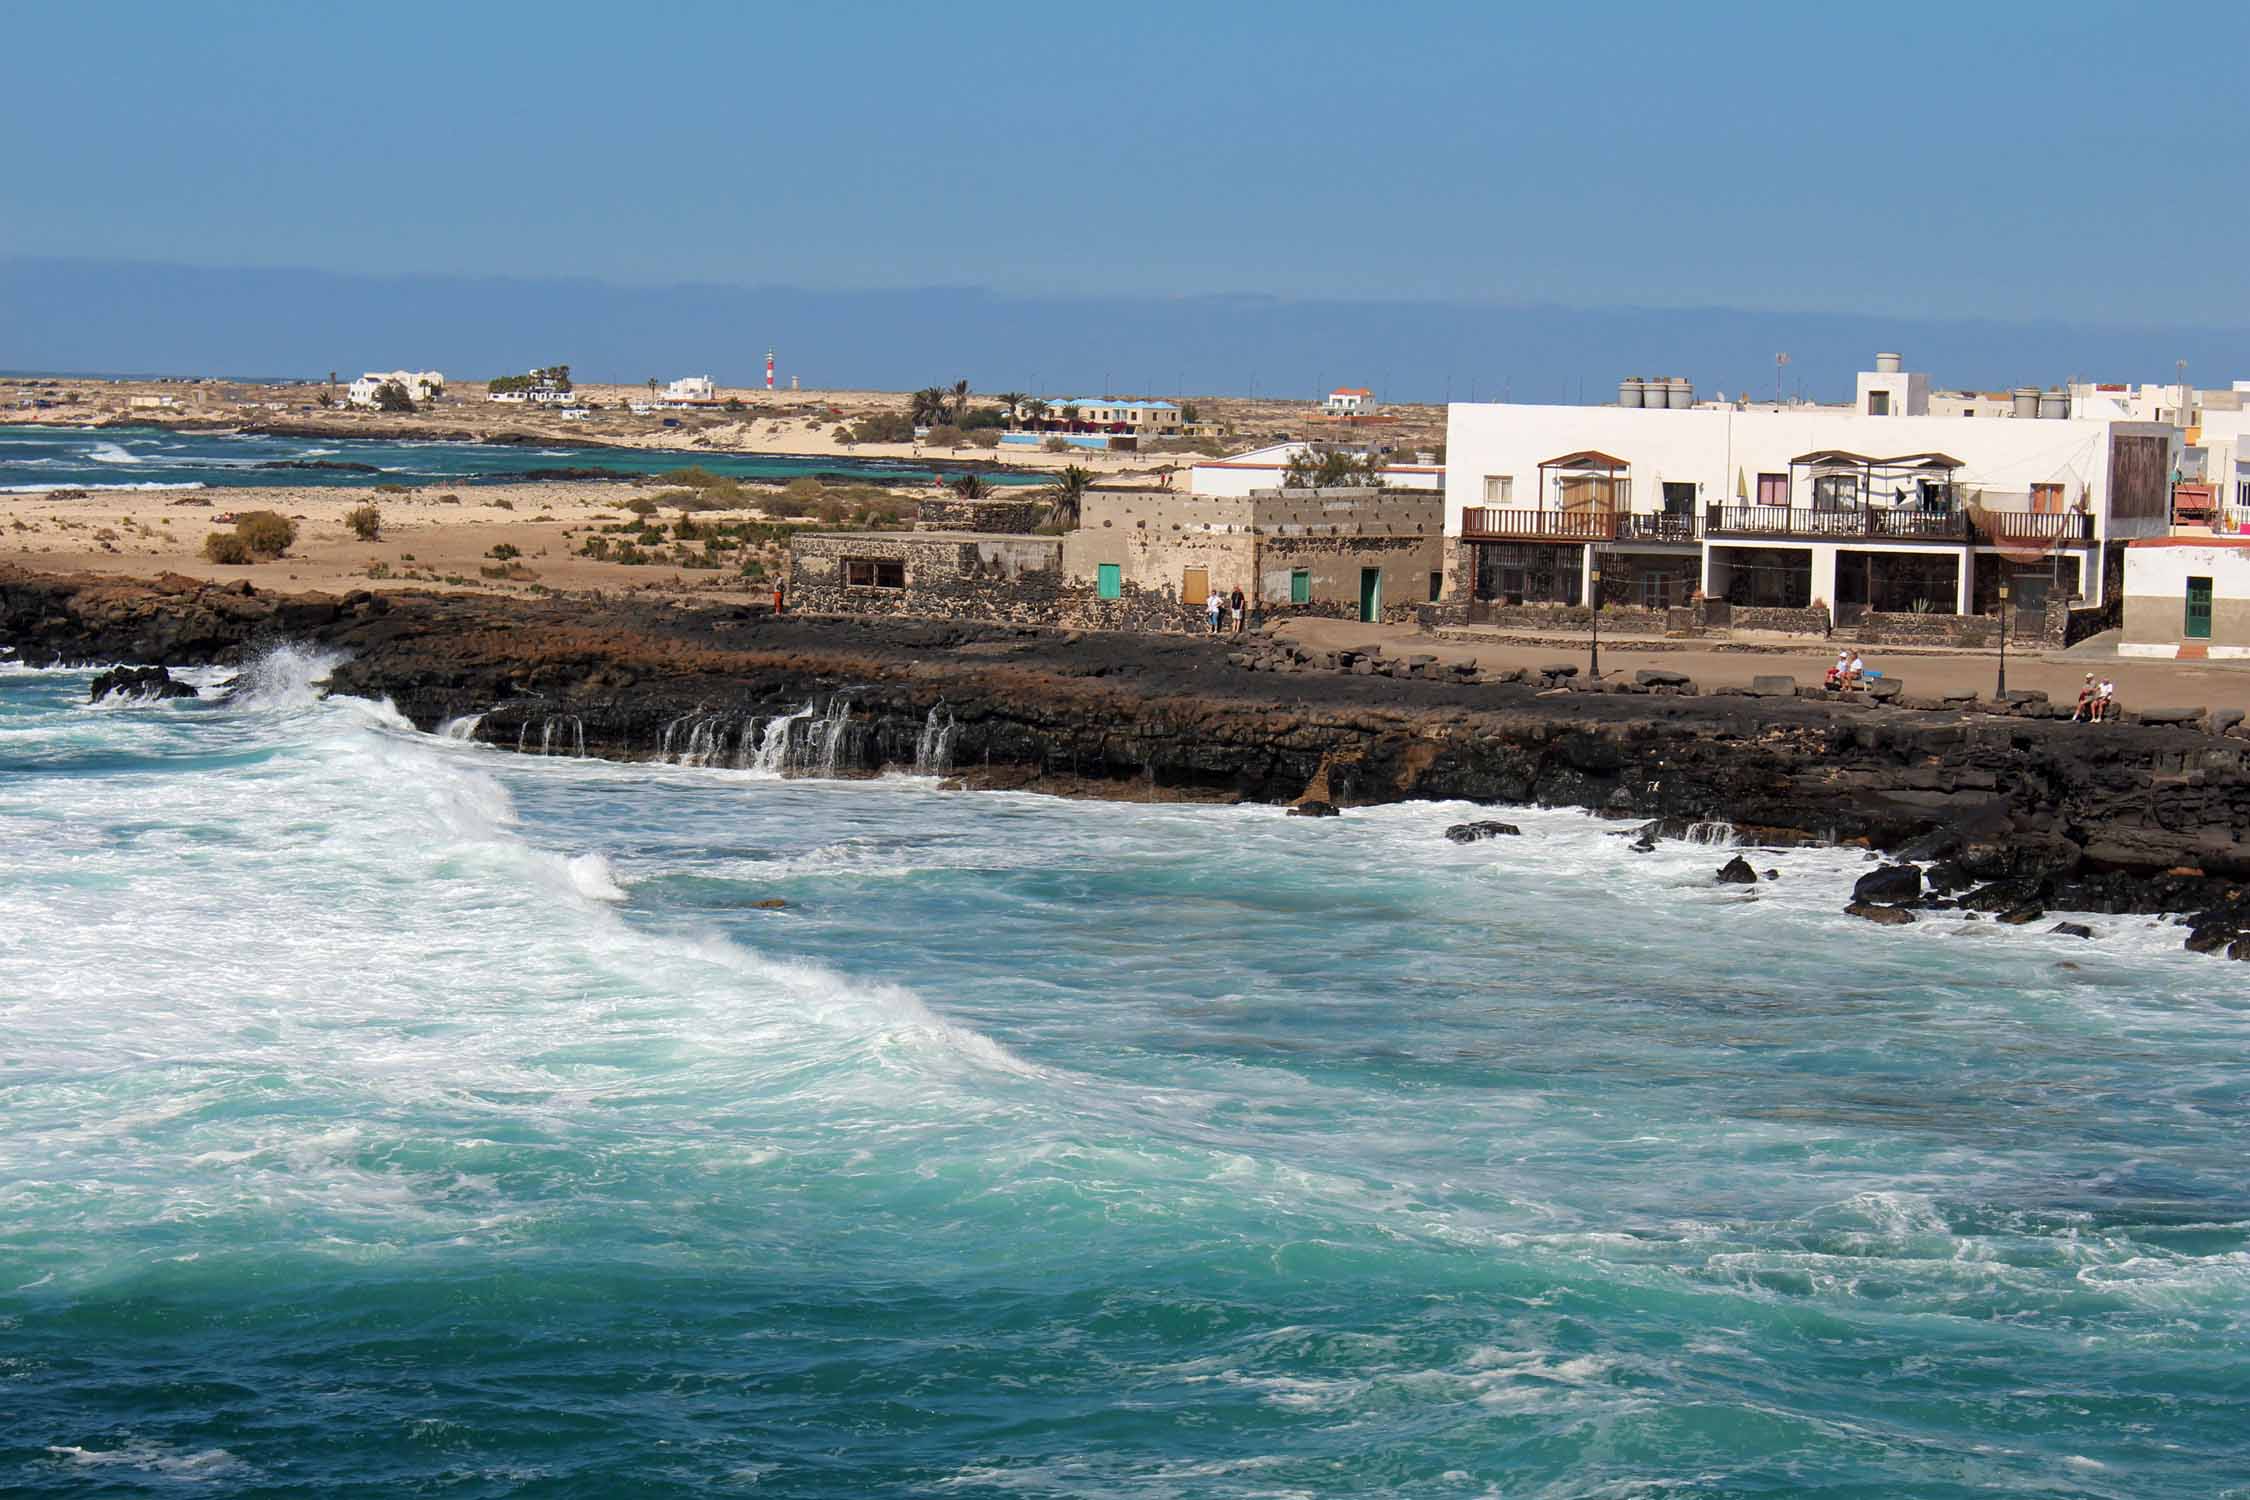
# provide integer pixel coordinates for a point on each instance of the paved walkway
(1923, 670)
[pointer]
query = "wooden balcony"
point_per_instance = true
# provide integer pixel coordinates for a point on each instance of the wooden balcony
(1658, 526)
(1797, 523)
(1483, 523)
(2034, 526)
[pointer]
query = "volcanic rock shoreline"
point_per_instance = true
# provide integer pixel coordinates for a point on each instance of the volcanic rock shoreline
(2110, 818)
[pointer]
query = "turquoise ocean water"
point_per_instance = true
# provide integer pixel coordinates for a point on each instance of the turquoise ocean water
(381, 1113)
(112, 458)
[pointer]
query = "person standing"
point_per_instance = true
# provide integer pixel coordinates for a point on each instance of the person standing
(1235, 603)
(777, 596)
(1211, 606)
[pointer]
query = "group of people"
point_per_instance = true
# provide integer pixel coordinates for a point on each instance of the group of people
(1847, 672)
(2097, 702)
(1226, 611)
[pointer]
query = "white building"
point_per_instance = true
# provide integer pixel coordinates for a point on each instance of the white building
(1349, 401)
(2187, 597)
(1261, 469)
(1108, 414)
(1853, 509)
(419, 385)
(691, 388)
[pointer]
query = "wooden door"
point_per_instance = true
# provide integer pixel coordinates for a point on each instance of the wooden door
(1195, 586)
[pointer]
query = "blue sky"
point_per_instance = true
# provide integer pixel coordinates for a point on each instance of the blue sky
(2067, 163)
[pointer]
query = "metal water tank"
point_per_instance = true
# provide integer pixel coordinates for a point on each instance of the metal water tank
(1629, 391)
(2027, 401)
(2054, 403)
(1888, 364)
(1679, 393)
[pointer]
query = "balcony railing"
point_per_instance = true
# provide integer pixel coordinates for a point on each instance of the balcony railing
(1835, 525)
(2035, 526)
(1484, 522)
(1657, 526)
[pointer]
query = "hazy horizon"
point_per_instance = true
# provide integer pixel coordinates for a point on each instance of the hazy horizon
(106, 318)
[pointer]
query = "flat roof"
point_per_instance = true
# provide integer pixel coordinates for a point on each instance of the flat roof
(2235, 542)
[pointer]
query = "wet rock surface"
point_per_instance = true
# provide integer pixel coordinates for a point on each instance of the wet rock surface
(137, 682)
(2014, 811)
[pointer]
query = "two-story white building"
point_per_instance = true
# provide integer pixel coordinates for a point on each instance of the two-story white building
(419, 385)
(1879, 506)
(1349, 401)
(691, 388)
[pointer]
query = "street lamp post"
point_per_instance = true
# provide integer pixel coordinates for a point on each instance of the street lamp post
(1594, 614)
(2000, 688)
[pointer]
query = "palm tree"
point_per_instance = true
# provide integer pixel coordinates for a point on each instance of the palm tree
(960, 402)
(971, 487)
(652, 386)
(1010, 401)
(928, 406)
(1035, 411)
(1067, 496)
(1070, 415)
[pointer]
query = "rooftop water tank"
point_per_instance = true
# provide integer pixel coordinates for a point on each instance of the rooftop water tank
(2054, 403)
(1629, 391)
(1887, 364)
(2027, 401)
(1679, 393)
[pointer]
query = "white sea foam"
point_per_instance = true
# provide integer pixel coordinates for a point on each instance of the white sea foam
(111, 453)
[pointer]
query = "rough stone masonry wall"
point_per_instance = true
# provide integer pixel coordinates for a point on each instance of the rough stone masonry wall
(1014, 517)
(1002, 580)
(1335, 563)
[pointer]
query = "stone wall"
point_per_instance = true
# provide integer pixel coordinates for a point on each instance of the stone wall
(1806, 621)
(1905, 628)
(1003, 516)
(1009, 580)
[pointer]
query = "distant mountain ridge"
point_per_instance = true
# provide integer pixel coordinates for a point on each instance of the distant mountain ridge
(86, 315)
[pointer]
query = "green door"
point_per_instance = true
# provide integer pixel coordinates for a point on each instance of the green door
(2199, 609)
(1300, 585)
(1370, 594)
(1107, 583)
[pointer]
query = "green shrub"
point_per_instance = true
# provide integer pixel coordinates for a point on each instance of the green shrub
(503, 503)
(946, 435)
(266, 533)
(364, 522)
(391, 489)
(449, 499)
(804, 487)
(226, 547)
(1055, 445)
(505, 552)
(984, 437)
(642, 505)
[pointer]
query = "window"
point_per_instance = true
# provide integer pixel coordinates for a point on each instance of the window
(1437, 585)
(1878, 403)
(1773, 489)
(1499, 489)
(2242, 493)
(1108, 583)
(874, 573)
(2047, 499)
(1300, 585)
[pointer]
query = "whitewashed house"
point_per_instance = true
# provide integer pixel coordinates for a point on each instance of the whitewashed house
(1876, 507)
(691, 388)
(1350, 401)
(420, 386)
(1261, 469)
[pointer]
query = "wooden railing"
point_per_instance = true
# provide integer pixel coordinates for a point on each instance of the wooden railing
(2034, 526)
(1486, 522)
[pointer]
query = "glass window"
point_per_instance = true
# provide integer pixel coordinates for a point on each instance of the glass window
(1773, 489)
(1499, 489)
(874, 573)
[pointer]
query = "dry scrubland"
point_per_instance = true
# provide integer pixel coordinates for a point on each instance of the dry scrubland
(701, 536)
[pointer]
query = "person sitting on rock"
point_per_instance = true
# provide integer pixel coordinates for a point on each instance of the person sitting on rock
(2105, 702)
(1856, 671)
(1835, 679)
(2085, 709)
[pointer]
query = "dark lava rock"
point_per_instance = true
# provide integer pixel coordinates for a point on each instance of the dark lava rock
(2224, 719)
(1555, 669)
(1947, 875)
(2002, 895)
(1313, 808)
(1884, 916)
(1658, 677)
(138, 682)
(1890, 883)
(1773, 687)
(2022, 916)
(1470, 833)
(2170, 715)
(1773, 874)
(2072, 929)
(1737, 871)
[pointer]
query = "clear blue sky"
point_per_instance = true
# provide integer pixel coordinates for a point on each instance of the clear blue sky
(1931, 161)
(2015, 192)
